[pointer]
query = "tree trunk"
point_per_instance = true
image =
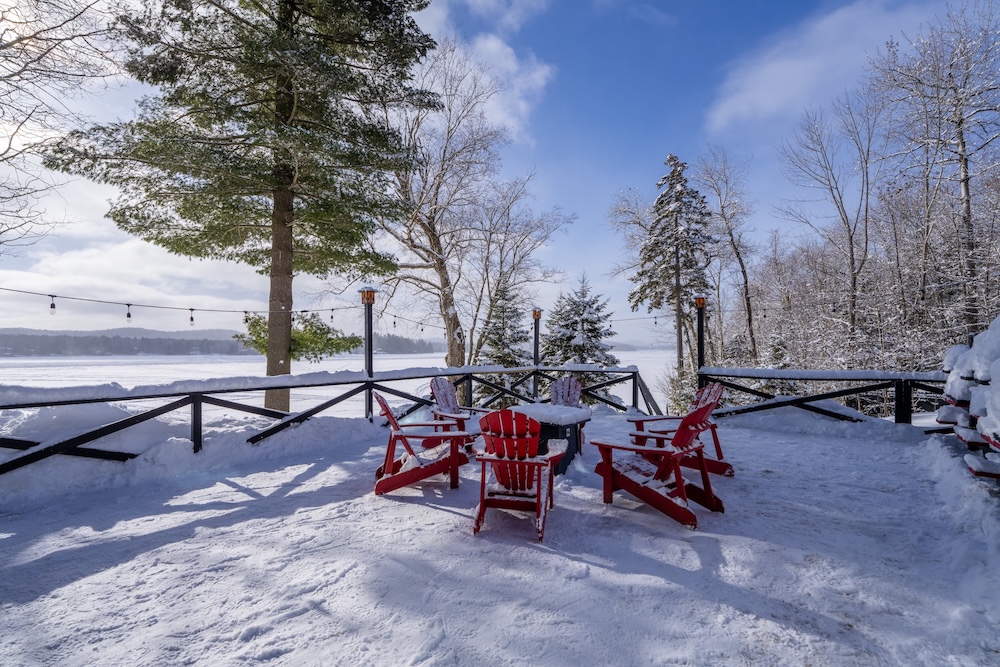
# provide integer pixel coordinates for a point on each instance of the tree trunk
(678, 324)
(279, 320)
(968, 231)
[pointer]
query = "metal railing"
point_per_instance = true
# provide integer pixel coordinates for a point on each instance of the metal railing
(902, 385)
(196, 394)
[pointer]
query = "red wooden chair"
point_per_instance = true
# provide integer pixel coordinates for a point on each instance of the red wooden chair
(666, 424)
(565, 391)
(425, 453)
(514, 475)
(448, 409)
(651, 471)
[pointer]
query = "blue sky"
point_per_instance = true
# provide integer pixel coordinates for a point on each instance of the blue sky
(600, 91)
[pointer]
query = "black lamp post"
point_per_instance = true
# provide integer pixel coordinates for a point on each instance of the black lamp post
(368, 299)
(536, 314)
(699, 304)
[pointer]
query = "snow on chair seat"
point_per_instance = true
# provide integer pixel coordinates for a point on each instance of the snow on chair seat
(951, 414)
(439, 452)
(983, 467)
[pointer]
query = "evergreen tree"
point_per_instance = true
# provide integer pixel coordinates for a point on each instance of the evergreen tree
(506, 341)
(674, 256)
(576, 330)
(259, 146)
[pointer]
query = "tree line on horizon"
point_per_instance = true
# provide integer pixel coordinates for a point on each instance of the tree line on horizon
(78, 344)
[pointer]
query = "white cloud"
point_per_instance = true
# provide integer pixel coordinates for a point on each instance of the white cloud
(522, 75)
(509, 15)
(809, 64)
(526, 78)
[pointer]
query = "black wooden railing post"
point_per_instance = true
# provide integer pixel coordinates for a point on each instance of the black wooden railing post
(904, 401)
(536, 314)
(368, 299)
(635, 390)
(196, 422)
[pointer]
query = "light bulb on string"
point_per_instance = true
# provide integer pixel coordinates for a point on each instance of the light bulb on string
(331, 314)
(192, 316)
(128, 313)
(52, 306)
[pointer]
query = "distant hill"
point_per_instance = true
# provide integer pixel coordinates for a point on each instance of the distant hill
(131, 332)
(16, 342)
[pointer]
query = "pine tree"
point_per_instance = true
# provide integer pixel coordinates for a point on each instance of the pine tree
(506, 341)
(258, 145)
(674, 256)
(575, 333)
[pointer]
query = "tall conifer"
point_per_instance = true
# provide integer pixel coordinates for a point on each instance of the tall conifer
(257, 144)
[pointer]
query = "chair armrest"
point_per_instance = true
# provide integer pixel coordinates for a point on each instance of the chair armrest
(439, 437)
(437, 423)
(653, 418)
(632, 447)
(453, 416)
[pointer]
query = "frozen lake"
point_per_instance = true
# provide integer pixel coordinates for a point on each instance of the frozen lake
(131, 371)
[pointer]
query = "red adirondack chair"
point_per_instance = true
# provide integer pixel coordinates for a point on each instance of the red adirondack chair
(429, 448)
(448, 409)
(565, 391)
(667, 424)
(514, 475)
(651, 471)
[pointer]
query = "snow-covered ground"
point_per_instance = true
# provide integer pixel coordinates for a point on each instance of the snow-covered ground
(841, 544)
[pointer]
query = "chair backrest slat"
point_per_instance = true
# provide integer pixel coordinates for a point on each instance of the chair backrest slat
(445, 395)
(514, 437)
(565, 391)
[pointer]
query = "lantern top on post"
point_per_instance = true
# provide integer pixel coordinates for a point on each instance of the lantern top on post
(367, 295)
(536, 312)
(699, 301)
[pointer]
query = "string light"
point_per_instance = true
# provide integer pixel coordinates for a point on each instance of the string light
(128, 313)
(52, 306)
(192, 316)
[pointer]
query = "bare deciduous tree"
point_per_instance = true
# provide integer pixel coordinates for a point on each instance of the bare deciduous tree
(949, 78)
(49, 51)
(839, 159)
(723, 181)
(466, 230)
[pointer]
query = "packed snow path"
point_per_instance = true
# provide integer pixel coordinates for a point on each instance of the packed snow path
(842, 544)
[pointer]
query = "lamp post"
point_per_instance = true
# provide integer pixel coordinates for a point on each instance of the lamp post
(368, 299)
(699, 304)
(536, 314)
